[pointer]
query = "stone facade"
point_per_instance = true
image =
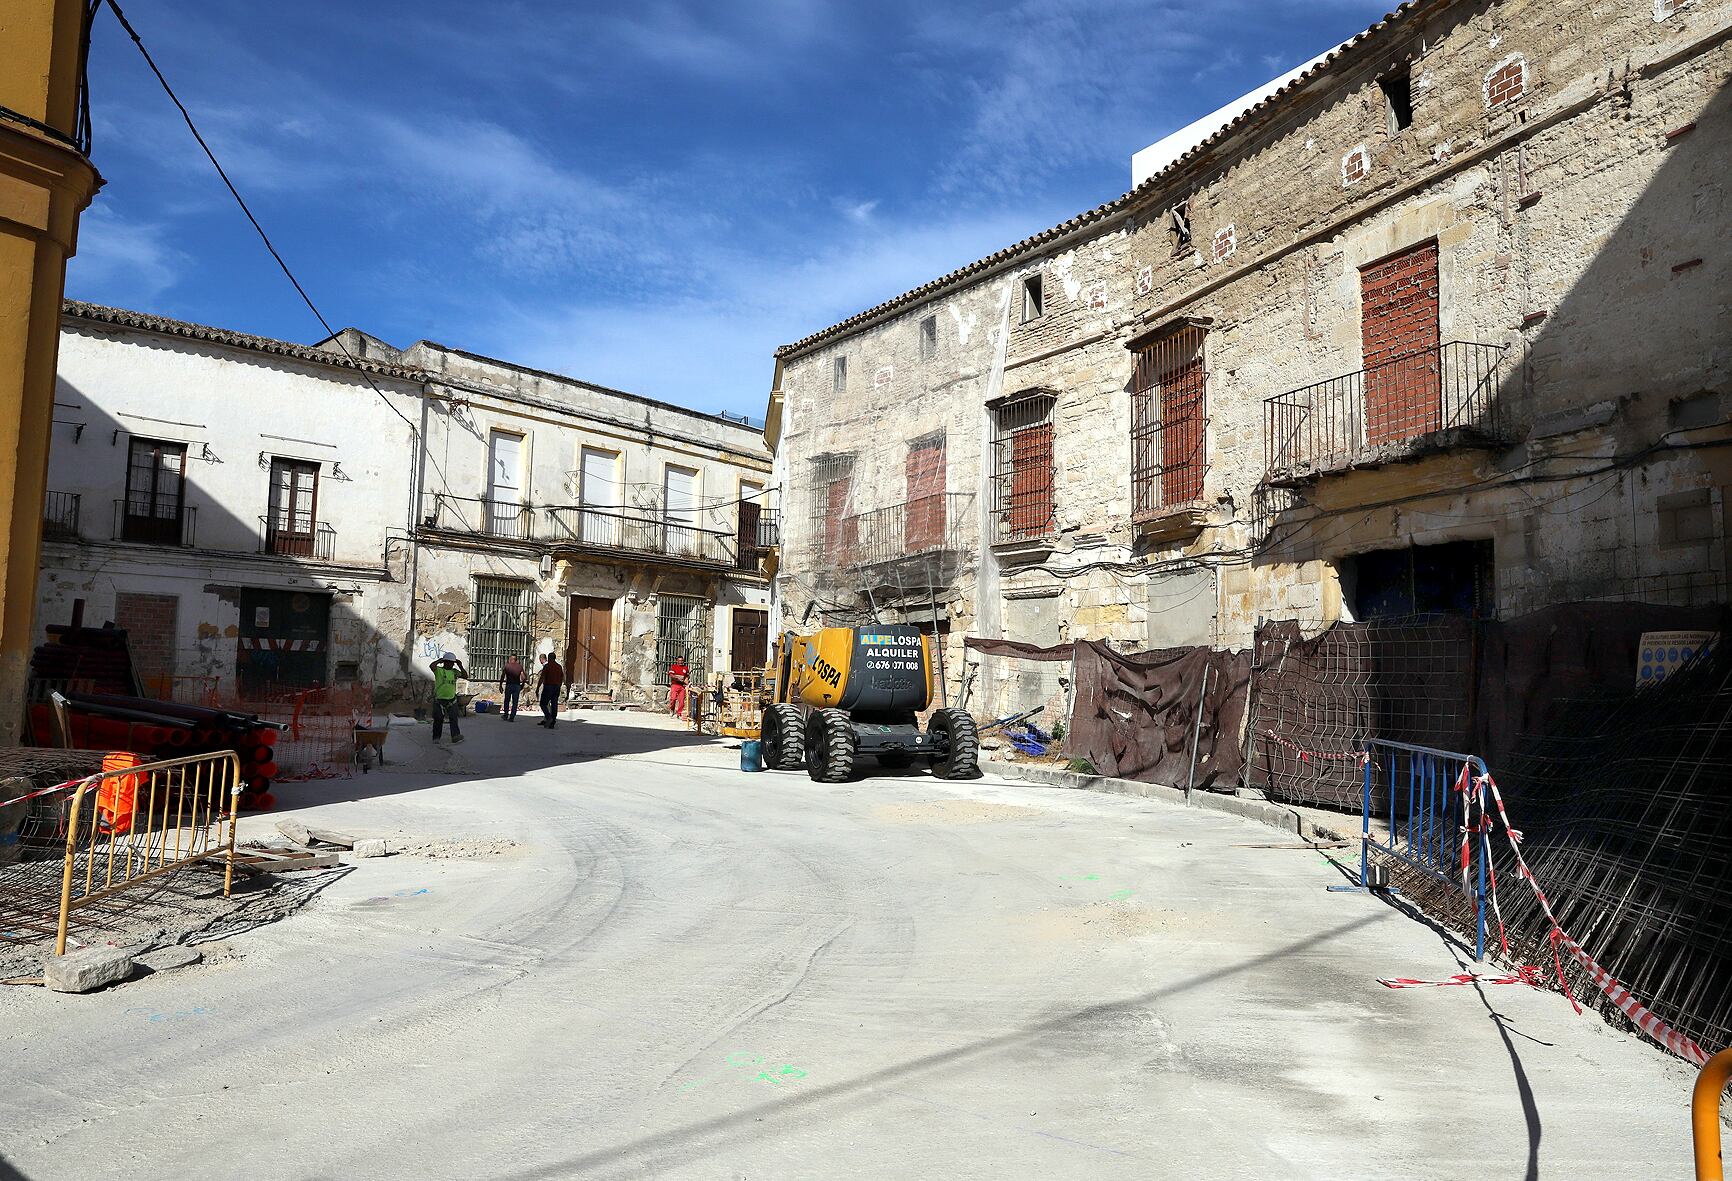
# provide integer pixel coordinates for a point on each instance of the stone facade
(1550, 181)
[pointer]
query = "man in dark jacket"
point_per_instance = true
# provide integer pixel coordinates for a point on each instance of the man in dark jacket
(550, 681)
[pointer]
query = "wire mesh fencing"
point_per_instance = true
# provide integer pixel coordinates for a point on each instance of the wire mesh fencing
(1317, 700)
(1625, 810)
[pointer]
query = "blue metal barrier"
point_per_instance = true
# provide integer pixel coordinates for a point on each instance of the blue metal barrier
(1414, 789)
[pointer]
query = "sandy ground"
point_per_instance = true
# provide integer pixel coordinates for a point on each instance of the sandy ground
(604, 952)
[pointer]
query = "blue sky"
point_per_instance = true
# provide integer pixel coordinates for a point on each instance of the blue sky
(652, 195)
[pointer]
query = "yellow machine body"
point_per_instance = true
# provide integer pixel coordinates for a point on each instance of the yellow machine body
(875, 670)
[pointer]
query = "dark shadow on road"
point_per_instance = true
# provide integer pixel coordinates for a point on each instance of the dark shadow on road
(650, 1152)
(1524, 1089)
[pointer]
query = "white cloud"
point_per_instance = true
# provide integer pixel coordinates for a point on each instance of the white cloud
(726, 332)
(121, 261)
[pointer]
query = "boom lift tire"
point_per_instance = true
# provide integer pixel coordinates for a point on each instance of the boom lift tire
(960, 744)
(831, 746)
(784, 735)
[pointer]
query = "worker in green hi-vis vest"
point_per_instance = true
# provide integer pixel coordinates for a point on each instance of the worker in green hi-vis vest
(446, 670)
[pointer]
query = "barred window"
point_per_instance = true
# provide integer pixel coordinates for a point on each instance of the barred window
(1169, 422)
(499, 626)
(1022, 467)
(682, 633)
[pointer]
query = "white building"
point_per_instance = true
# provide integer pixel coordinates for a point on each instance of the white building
(241, 505)
(264, 516)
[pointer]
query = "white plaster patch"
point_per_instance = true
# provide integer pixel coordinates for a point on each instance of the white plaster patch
(1667, 8)
(964, 326)
(883, 378)
(1061, 266)
(1146, 281)
(1096, 295)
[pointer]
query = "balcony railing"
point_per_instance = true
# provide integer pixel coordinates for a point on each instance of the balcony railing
(60, 516)
(1400, 407)
(155, 524)
(646, 532)
(318, 543)
(923, 526)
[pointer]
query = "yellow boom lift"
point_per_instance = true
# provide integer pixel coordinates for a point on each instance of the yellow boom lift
(841, 693)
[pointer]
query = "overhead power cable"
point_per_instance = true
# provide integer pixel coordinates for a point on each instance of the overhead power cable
(246, 209)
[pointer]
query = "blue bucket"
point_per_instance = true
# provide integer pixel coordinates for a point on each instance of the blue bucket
(751, 755)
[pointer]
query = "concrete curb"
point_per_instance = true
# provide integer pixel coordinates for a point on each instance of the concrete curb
(1262, 811)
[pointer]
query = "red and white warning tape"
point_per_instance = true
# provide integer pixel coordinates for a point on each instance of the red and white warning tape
(1527, 974)
(1305, 756)
(1620, 996)
(46, 791)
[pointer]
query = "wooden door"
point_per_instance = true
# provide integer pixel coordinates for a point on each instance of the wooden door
(588, 642)
(294, 507)
(751, 641)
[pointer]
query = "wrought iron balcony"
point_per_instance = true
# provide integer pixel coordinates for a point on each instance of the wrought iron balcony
(318, 542)
(60, 516)
(1428, 400)
(759, 535)
(155, 523)
(926, 525)
(626, 531)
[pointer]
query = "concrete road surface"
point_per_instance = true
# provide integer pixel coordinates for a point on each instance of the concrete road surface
(610, 954)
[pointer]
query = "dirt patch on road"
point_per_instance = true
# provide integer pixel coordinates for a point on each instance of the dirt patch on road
(473, 849)
(1100, 920)
(953, 812)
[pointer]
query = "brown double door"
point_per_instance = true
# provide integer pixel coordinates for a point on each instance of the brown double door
(751, 640)
(588, 639)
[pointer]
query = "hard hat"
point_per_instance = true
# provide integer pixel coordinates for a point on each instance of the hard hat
(448, 656)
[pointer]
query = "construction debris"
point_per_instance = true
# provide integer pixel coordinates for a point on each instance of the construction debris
(306, 834)
(87, 969)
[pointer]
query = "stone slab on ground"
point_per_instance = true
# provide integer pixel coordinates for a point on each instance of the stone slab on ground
(165, 959)
(87, 969)
(370, 847)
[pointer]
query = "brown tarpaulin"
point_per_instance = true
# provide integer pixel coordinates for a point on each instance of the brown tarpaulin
(1134, 713)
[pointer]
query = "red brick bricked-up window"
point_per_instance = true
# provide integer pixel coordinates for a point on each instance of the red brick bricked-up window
(1507, 82)
(923, 526)
(1169, 421)
(150, 625)
(1398, 317)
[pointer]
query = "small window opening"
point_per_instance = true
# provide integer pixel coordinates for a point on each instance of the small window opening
(929, 337)
(1181, 225)
(1031, 299)
(839, 375)
(1398, 98)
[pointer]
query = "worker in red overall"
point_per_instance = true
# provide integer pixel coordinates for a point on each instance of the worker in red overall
(678, 675)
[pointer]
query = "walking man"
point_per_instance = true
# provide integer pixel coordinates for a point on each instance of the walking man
(551, 680)
(446, 670)
(678, 674)
(511, 684)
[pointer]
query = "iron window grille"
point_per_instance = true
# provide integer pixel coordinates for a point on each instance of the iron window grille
(829, 523)
(1022, 466)
(682, 633)
(499, 627)
(1169, 423)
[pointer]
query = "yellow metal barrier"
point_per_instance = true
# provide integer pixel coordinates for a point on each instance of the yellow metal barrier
(1705, 1115)
(739, 709)
(132, 824)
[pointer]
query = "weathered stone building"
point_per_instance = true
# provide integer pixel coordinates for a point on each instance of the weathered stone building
(265, 517)
(1441, 324)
